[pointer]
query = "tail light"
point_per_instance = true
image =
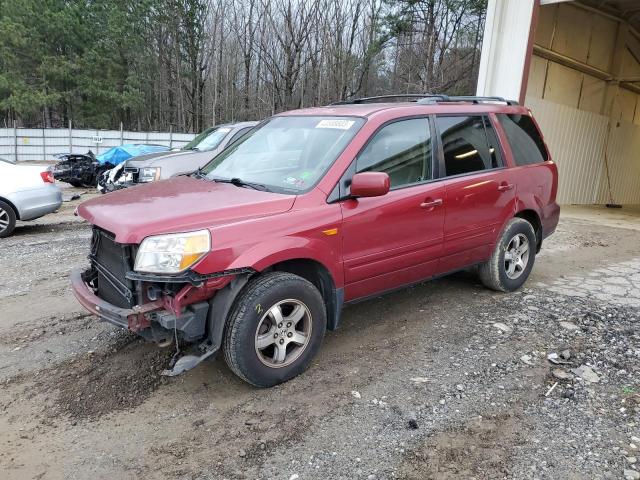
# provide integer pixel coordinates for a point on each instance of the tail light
(47, 176)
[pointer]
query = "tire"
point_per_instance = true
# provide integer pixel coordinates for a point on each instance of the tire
(251, 329)
(502, 272)
(7, 219)
(75, 183)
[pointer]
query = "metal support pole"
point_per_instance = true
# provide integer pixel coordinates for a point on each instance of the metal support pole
(15, 141)
(170, 136)
(70, 137)
(44, 145)
(121, 134)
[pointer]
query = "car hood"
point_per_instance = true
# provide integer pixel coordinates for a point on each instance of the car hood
(150, 156)
(178, 205)
(186, 155)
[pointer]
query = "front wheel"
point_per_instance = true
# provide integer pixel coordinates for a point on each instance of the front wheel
(7, 219)
(275, 329)
(512, 259)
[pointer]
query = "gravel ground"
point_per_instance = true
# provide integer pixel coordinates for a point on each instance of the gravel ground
(442, 380)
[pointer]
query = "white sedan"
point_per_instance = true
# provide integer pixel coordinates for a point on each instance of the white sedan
(27, 192)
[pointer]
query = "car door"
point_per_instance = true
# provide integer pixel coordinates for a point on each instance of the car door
(395, 239)
(479, 192)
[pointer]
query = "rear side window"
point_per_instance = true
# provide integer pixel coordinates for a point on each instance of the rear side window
(402, 150)
(524, 138)
(469, 144)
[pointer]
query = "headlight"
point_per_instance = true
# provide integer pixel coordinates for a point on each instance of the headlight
(172, 253)
(149, 174)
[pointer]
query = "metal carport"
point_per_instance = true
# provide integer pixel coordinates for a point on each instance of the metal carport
(576, 64)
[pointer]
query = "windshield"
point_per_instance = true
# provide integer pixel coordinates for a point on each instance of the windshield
(213, 139)
(197, 139)
(286, 154)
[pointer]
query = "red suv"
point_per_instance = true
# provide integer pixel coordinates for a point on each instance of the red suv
(257, 252)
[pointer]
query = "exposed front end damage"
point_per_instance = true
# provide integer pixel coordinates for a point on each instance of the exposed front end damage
(165, 309)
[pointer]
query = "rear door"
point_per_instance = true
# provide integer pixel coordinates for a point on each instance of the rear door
(480, 193)
(395, 239)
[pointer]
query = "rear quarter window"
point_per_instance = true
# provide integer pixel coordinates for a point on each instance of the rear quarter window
(525, 139)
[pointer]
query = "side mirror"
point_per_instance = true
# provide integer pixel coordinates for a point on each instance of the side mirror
(370, 184)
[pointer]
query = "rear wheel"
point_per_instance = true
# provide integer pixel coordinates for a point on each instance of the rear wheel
(512, 259)
(7, 219)
(275, 329)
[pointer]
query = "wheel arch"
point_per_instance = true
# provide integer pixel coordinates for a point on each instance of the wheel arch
(12, 205)
(533, 218)
(320, 276)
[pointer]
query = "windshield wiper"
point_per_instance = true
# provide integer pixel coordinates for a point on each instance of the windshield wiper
(238, 182)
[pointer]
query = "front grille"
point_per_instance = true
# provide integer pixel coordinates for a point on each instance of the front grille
(112, 261)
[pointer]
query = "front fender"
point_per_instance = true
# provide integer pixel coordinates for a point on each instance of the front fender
(325, 252)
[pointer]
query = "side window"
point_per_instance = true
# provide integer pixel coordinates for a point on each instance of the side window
(465, 145)
(524, 138)
(494, 145)
(402, 150)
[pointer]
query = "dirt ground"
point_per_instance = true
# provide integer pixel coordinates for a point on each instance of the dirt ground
(440, 381)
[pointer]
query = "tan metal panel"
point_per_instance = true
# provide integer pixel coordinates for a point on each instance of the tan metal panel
(563, 85)
(592, 94)
(572, 32)
(624, 165)
(624, 106)
(546, 22)
(603, 41)
(537, 75)
(576, 140)
(630, 66)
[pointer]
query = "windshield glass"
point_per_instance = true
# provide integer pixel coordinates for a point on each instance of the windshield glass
(213, 139)
(197, 139)
(286, 154)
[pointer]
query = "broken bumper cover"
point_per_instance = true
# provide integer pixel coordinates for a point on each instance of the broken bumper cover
(133, 319)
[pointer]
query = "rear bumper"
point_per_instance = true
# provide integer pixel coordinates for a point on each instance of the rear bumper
(550, 219)
(35, 203)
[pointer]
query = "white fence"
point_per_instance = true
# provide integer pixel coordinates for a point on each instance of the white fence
(23, 144)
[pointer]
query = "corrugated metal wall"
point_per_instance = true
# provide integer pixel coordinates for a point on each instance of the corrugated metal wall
(23, 144)
(573, 108)
(624, 165)
(576, 140)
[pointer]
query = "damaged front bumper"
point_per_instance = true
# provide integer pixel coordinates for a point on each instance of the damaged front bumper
(129, 318)
(159, 320)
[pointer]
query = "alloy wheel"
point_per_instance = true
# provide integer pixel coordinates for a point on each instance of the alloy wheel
(516, 256)
(4, 219)
(283, 333)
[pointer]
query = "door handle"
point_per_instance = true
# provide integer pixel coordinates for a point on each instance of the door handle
(503, 187)
(431, 203)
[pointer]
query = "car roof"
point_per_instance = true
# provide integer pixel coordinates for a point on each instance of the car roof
(236, 125)
(404, 109)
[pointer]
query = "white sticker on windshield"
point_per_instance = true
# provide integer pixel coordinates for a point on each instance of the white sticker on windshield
(339, 124)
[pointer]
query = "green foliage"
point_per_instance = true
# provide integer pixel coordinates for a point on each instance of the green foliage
(184, 63)
(81, 60)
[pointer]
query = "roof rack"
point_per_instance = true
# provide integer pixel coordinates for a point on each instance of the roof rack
(427, 99)
(377, 98)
